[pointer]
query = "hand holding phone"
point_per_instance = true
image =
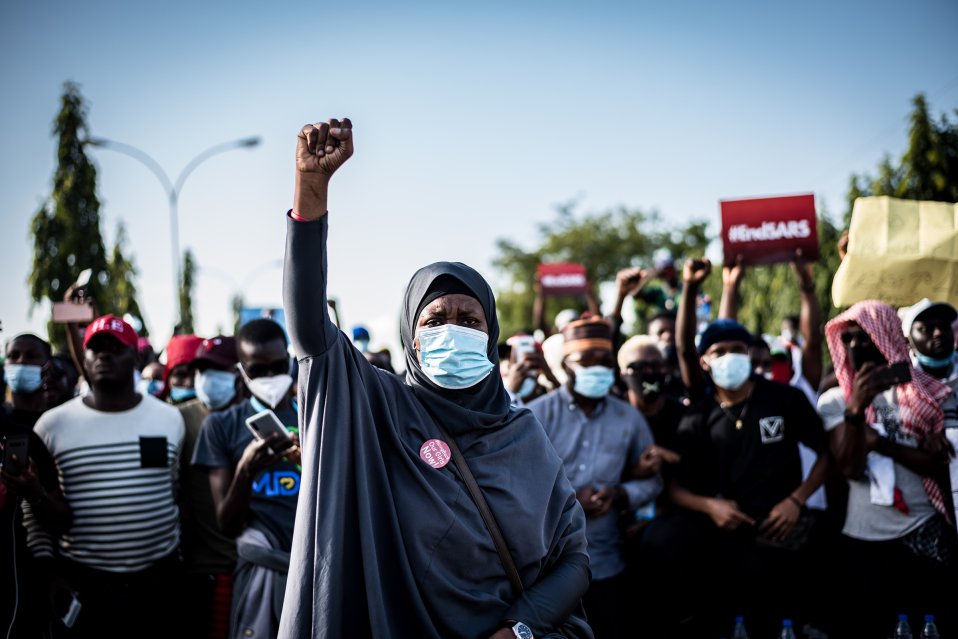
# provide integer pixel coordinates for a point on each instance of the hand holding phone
(266, 422)
(14, 445)
(894, 374)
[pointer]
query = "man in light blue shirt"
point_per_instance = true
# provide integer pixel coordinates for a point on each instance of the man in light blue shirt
(600, 439)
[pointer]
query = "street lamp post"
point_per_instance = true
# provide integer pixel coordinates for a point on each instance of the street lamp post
(173, 190)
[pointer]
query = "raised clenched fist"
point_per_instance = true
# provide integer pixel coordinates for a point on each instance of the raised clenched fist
(324, 147)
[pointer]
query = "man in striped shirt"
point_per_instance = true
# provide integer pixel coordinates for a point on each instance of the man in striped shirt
(117, 453)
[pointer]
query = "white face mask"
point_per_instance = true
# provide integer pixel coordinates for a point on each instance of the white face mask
(269, 390)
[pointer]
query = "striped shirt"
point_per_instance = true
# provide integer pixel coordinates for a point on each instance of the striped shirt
(118, 471)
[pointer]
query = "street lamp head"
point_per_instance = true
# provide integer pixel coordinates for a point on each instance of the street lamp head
(251, 141)
(97, 142)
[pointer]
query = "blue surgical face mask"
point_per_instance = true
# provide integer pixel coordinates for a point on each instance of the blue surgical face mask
(931, 362)
(152, 387)
(215, 388)
(528, 387)
(730, 371)
(181, 394)
(23, 378)
(593, 381)
(453, 356)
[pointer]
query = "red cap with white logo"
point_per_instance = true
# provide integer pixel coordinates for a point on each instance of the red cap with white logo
(111, 325)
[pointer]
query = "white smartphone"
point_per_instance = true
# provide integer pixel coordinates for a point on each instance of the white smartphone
(84, 277)
(265, 422)
(71, 615)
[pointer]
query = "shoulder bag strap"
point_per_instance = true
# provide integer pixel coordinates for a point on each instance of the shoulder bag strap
(504, 555)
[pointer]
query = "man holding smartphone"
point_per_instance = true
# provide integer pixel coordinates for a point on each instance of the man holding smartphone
(255, 482)
(897, 529)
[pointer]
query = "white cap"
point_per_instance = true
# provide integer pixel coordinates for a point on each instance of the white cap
(552, 352)
(565, 316)
(909, 314)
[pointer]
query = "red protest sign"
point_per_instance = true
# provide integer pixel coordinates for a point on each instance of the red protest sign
(769, 229)
(562, 279)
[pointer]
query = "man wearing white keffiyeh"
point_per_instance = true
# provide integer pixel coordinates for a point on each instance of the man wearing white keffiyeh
(898, 529)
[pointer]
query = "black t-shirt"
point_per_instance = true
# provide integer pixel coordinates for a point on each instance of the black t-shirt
(665, 424)
(757, 465)
(222, 440)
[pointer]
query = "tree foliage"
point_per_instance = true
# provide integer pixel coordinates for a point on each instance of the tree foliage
(66, 228)
(603, 242)
(185, 325)
(122, 273)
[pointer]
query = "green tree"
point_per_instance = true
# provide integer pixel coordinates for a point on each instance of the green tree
(121, 274)
(66, 228)
(603, 242)
(927, 170)
(185, 325)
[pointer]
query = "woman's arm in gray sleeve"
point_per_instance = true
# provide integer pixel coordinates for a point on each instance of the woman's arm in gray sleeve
(321, 149)
(304, 287)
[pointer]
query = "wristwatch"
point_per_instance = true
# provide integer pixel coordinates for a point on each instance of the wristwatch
(521, 631)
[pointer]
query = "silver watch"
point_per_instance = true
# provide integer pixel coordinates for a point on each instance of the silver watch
(522, 631)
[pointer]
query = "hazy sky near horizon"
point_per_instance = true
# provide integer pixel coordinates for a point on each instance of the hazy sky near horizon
(471, 122)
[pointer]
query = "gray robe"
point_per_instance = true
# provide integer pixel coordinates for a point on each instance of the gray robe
(387, 546)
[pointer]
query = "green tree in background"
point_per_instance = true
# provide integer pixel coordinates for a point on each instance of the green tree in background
(121, 273)
(185, 325)
(927, 170)
(66, 229)
(603, 242)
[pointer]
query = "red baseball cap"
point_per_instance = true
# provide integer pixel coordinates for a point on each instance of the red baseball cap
(111, 325)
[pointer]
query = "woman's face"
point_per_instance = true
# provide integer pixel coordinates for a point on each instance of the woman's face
(455, 308)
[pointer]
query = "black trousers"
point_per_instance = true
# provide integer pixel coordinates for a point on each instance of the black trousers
(604, 606)
(144, 604)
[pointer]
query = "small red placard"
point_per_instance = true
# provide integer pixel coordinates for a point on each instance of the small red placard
(561, 278)
(768, 230)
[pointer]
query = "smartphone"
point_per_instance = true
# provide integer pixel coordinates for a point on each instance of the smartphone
(522, 345)
(14, 444)
(894, 374)
(71, 614)
(265, 422)
(84, 277)
(68, 312)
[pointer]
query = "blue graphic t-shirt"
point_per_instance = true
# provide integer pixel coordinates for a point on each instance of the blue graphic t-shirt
(222, 440)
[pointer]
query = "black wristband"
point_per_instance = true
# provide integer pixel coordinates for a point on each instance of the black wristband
(854, 418)
(881, 446)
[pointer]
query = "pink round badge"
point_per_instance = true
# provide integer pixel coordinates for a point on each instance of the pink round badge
(435, 452)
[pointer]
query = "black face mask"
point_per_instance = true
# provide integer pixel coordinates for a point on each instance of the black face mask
(649, 385)
(671, 355)
(861, 355)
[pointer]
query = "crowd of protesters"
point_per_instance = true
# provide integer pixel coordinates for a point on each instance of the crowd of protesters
(717, 472)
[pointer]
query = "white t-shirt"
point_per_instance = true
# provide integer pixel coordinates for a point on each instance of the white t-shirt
(864, 519)
(817, 499)
(118, 472)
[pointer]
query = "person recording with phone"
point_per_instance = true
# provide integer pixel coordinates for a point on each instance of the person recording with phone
(28, 475)
(526, 367)
(255, 482)
(897, 529)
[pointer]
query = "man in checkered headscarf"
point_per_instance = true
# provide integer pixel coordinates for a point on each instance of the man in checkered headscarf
(897, 527)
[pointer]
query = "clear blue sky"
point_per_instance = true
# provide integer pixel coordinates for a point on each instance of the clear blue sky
(471, 122)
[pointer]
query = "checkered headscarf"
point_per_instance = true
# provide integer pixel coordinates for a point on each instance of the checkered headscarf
(919, 401)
